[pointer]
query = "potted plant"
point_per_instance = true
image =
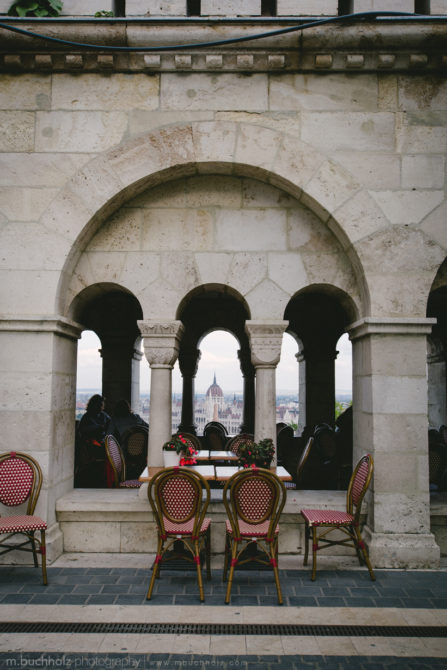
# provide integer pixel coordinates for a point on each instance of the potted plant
(178, 451)
(40, 8)
(258, 454)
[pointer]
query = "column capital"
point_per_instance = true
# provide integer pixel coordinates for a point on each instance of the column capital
(372, 325)
(161, 341)
(265, 341)
(189, 362)
(42, 324)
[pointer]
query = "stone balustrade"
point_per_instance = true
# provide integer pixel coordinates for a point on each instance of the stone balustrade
(237, 8)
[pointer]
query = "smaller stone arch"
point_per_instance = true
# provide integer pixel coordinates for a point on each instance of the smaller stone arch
(318, 315)
(111, 311)
(205, 309)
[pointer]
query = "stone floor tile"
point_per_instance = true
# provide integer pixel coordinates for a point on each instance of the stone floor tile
(119, 643)
(159, 643)
(339, 645)
(191, 644)
(300, 644)
(231, 645)
(264, 644)
(389, 646)
(435, 646)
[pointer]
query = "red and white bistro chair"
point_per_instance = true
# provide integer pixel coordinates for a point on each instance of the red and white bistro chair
(118, 465)
(20, 483)
(254, 499)
(327, 520)
(179, 498)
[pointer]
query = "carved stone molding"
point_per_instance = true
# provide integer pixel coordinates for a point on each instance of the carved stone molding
(265, 341)
(39, 324)
(371, 325)
(391, 46)
(161, 340)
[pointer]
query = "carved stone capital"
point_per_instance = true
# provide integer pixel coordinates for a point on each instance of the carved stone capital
(161, 340)
(265, 341)
(189, 362)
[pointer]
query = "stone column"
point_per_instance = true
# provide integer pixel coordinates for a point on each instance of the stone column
(301, 390)
(437, 391)
(320, 382)
(188, 363)
(117, 353)
(135, 402)
(248, 374)
(265, 342)
(37, 412)
(390, 422)
(161, 346)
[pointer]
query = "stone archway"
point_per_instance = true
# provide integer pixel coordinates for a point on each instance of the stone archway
(200, 148)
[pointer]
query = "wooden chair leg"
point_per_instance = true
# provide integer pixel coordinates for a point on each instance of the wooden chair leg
(199, 570)
(234, 547)
(155, 568)
(208, 552)
(274, 562)
(43, 553)
(306, 543)
(32, 539)
(314, 552)
(364, 551)
(227, 552)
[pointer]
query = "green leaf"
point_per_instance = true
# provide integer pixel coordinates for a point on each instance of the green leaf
(41, 12)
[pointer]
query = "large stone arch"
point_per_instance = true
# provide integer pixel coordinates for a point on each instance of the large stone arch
(171, 152)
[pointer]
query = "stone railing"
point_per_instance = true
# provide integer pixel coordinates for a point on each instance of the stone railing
(240, 8)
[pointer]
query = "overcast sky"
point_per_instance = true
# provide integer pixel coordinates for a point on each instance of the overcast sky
(219, 355)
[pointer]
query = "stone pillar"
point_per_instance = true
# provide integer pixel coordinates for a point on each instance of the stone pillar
(437, 391)
(117, 353)
(135, 402)
(390, 422)
(188, 363)
(301, 390)
(265, 342)
(319, 374)
(161, 346)
(248, 374)
(37, 411)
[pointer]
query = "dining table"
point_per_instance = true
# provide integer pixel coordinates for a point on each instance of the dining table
(214, 472)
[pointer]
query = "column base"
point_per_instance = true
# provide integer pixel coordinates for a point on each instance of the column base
(402, 550)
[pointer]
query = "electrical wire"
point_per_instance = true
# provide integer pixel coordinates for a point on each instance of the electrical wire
(348, 18)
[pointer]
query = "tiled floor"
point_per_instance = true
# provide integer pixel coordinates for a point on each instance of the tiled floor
(106, 589)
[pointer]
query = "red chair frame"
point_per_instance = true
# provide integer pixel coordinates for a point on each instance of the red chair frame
(252, 519)
(347, 522)
(179, 507)
(20, 482)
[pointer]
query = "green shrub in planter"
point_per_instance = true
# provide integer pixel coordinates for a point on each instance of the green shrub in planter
(39, 8)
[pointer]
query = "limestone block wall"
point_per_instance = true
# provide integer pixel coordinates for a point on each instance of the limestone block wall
(163, 173)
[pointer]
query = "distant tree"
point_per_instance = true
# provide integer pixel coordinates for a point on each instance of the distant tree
(340, 407)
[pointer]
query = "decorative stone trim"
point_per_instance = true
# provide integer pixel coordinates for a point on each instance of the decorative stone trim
(258, 62)
(161, 340)
(42, 324)
(265, 341)
(389, 326)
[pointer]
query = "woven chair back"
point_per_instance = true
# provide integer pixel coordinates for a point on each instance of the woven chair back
(136, 443)
(234, 443)
(360, 480)
(254, 496)
(176, 496)
(191, 440)
(303, 461)
(20, 480)
(116, 460)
